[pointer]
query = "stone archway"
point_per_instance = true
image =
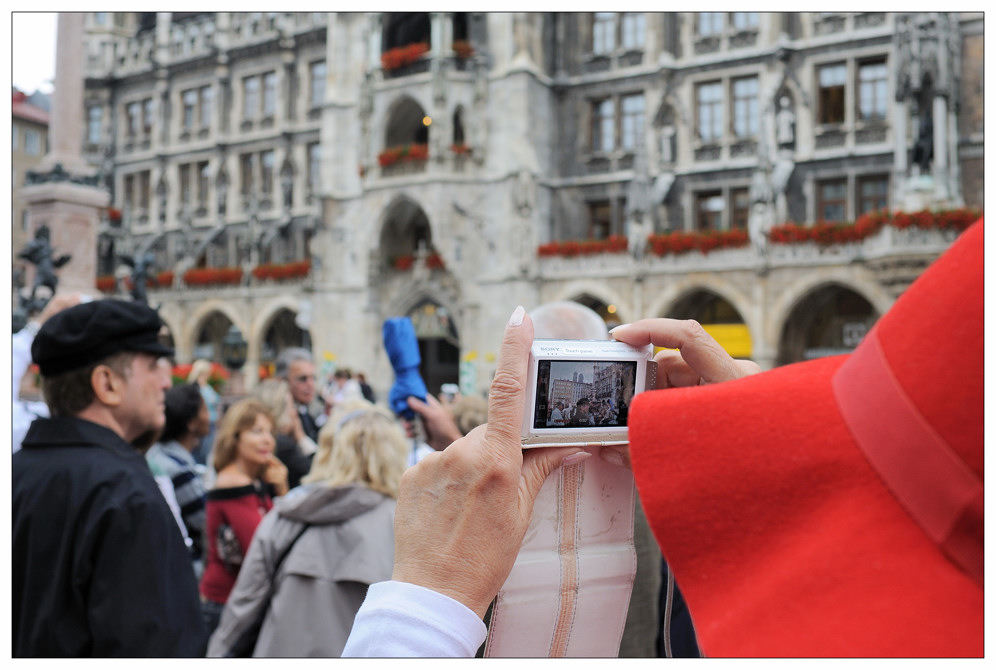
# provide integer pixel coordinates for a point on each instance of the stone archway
(404, 233)
(608, 311)
(438, 344)
(719, 317)
(280, 333)
(212, 330)
(829, 320)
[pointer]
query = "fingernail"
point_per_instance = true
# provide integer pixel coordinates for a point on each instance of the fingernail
(517, 316)
(622, 325)
(576, 458)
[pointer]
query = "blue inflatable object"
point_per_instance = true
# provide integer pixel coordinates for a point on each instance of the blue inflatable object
(402, 349)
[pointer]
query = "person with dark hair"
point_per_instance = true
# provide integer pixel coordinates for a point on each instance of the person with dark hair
(187, 422)
(98, 563)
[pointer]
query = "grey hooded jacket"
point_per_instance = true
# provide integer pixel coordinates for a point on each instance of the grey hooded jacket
(348, 545)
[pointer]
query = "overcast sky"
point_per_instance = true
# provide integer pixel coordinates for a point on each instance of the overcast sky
(32, 50)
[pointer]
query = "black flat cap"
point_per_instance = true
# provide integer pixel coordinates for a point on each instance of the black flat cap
(90, 332)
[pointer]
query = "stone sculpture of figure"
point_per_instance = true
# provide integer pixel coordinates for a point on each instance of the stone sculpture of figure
(39, 252)
(140, 268)
(524, 193)
(785, 122)
(923, 148)
(667, 143)
(759, 217)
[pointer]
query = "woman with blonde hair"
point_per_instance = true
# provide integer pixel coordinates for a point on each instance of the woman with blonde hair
(329, 539)
(249, 476)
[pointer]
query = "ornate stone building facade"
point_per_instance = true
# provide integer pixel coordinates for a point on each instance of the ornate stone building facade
(341, 169)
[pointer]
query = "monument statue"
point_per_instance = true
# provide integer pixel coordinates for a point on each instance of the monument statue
(39, 252)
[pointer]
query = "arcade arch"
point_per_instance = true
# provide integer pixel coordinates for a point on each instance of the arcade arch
(405, 231)
(830, 319)
(718, 316)
(280, 332)
(438, 344)
(209, 334)
(609, 311)
(407, 124)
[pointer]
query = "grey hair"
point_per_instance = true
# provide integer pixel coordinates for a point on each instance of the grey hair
(288, 356)
(567, 320)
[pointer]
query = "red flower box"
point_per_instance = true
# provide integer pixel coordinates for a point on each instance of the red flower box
(613, 244)
(432, 261)
(825, 234)
(463, 49)
(107, 284)
(281, 271)
(403, 154)
(392, 59)
(682, 242)
(208, 276)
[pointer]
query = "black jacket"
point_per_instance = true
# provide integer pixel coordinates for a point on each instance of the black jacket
(99, 567)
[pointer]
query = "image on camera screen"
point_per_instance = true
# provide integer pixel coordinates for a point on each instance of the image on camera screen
(583, 394)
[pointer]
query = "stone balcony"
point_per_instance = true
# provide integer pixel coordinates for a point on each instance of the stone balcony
(877, 249)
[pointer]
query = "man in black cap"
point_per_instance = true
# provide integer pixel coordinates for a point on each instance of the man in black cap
(99, 566)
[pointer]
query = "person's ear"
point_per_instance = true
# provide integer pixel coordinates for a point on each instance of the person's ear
(108, 386)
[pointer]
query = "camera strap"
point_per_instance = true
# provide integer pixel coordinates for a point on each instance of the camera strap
(568, 592)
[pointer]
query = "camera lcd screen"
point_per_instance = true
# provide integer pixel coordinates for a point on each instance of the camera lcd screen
(583, 394)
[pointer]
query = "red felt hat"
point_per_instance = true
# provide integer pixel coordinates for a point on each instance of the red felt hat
(834, 507)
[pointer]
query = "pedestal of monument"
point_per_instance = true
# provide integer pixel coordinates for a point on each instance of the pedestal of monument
(72, 213)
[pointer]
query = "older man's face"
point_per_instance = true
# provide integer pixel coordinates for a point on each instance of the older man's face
(301, 379)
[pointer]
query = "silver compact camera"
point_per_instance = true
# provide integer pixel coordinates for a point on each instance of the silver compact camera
(580, 391)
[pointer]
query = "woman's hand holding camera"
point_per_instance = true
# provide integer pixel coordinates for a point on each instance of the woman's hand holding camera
(691, 358)
(463, 511)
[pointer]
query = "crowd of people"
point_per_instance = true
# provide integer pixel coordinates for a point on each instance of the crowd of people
(829, 509)
(586, 412)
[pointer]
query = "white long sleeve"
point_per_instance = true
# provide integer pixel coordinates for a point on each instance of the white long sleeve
(22, 412)
(398, 619)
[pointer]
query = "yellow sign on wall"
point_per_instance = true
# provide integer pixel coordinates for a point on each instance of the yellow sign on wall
(734, 337)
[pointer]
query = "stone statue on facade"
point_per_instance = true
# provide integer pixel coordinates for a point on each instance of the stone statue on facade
(141, 265)
(667, 139)
(39, 252)
(524, 192)
(785, 123)
(923, 147)
(759, 222)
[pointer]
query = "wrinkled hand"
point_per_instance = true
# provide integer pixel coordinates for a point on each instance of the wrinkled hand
(463, 511)
(699, 360)
(276, 475)
(440, 426)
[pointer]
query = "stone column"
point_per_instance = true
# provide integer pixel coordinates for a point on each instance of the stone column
(63, 193)
(940, 167)
(900, 161)
(65, 130)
